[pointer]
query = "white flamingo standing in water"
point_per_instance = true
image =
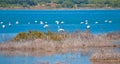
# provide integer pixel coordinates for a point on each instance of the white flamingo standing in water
(1, 22)
(46, 25)
(110, 21)
(28, 22)
(62, 22)
(17, 22)
(9, 24)
(36, 21)
(106, 21)
(57, 22)
(81, 22)
(3, 26)
(41, 22)
(86, 21)
(88, 26)
(96, 22)
(60, 29)
(46, 22)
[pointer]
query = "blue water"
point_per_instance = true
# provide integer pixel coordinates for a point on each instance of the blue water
(80, 57)
(71, 18)
(68, 58)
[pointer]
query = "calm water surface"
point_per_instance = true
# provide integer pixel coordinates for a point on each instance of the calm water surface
(80, 57)
(71, 18)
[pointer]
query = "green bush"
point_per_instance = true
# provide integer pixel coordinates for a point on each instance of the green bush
(32, 35)
(61, 3)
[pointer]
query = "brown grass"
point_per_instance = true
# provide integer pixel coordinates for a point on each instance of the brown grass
(105, 56)
(67, 42)
(106, 62)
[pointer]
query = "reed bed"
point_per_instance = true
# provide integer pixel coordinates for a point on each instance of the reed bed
(105, 63)
(55, 42)
(105, 56)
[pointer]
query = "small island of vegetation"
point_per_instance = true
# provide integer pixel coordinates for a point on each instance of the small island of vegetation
(62, 42)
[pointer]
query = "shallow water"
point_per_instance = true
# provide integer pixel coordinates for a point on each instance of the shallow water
(66, 58)
(79, 57)
(72, 19)
(10, 32)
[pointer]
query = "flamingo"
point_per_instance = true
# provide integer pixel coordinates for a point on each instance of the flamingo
(3, 26)
(60, 29)
(17, 22)
(41, 22)
(86, 21)
(110, 21)
(9, 24)
(81, 22)
(36, 21)
(106, 21)
(96, 22)
(62, 22)
(57, 22)
(1, 22)
(46, 22)
(28, 22)
(46, 26)
(88, 26)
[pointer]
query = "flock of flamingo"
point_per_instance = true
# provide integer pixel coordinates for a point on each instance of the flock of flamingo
(45, 24)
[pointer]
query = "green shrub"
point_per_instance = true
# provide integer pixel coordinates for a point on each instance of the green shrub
(32, 35)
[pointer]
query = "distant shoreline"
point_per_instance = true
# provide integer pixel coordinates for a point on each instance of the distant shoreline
(61, 9)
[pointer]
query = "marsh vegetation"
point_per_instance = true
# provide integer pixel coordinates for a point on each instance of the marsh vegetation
(49, 43)
(53, 41)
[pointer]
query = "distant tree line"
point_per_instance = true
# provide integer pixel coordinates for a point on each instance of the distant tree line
(62, 3)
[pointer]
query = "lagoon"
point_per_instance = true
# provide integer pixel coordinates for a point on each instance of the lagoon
(72, 19)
